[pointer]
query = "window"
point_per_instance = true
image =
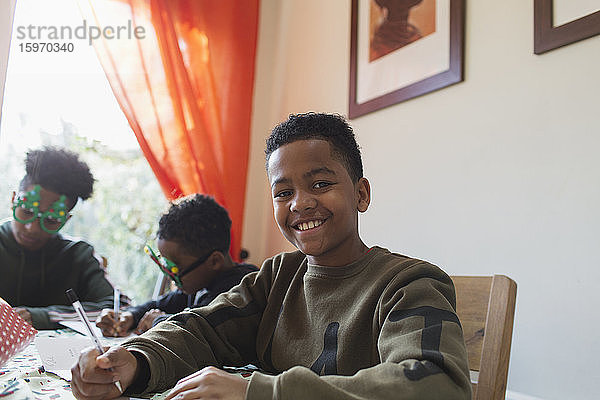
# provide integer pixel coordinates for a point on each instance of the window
(63, 98)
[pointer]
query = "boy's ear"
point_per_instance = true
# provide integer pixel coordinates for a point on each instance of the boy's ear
(12, 200)
(363, 192)
(216, 260)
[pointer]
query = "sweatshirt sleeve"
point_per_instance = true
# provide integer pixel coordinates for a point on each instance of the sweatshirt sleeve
(222, 333)
(420, 345)
(42, 318)
(169, 303)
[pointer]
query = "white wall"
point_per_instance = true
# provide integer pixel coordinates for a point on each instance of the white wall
(498, 174)
(7, 10)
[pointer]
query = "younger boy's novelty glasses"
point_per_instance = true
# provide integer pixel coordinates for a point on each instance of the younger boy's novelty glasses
(26, 210)
(170, 269)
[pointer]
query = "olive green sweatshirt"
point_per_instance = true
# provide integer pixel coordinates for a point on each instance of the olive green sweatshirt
(383, 327)
(38, 280)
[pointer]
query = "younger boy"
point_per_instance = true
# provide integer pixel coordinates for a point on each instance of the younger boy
(333, 320)
(38, 264)
(193, 240)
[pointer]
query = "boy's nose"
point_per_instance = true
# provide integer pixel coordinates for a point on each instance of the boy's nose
(303, 201)
(33, 226)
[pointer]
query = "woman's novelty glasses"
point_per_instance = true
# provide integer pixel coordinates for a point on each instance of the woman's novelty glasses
(26, 210)
(170, 269)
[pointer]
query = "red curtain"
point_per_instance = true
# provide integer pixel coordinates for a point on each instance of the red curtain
(184, 80)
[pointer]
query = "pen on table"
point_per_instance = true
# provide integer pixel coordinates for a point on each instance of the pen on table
(10, 388)
(117, 307)
(72, 296)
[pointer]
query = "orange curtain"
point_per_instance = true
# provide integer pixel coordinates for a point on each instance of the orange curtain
(183, 72)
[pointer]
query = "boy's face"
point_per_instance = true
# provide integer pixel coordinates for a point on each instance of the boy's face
(30, 235)
(315, 202)
(199, 278)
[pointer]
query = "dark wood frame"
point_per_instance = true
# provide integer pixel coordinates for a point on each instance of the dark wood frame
(452, 75)
(548, 37)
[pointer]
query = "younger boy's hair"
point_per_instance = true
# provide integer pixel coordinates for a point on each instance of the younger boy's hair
(60, 171)
(198, 223)
(332, 128)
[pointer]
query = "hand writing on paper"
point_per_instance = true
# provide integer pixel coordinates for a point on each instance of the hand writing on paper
(91, 378)
(109, 327)
(210, 383)
(26, 315)
(147, 320)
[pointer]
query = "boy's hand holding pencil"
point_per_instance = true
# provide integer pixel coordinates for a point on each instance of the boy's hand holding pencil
(112, 327)
(115, 365)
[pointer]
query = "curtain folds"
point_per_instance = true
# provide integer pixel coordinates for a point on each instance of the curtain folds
(183, 74)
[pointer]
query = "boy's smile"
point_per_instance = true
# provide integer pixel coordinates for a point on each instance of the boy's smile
(315, 202)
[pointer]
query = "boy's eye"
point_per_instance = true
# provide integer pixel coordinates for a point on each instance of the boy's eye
(321, 185)
(283, 193)
(28, 212)
(51, 221)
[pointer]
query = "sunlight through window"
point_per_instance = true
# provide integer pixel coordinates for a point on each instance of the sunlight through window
(60, 96)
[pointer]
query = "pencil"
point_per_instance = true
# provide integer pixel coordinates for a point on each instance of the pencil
(72, 296)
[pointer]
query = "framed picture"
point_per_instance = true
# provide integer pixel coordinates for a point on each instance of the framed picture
(401, 49)
(561, 22)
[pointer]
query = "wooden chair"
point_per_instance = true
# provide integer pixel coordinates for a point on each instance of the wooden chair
(486, 308)
(103, 261)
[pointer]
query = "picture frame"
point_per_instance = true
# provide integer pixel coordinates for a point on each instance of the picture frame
(548, 37)
(423, 66)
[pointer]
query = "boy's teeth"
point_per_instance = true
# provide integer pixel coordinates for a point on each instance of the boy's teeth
(309, 225)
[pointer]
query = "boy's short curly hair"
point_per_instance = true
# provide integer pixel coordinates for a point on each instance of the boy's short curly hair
(198, 223)
(58, 170)
(332, 128)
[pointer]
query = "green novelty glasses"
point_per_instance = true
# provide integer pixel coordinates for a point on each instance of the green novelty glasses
(170, 269)
(26, 210)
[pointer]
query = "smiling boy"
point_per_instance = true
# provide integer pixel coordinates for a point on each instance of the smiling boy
(37, 263)
(333, 320)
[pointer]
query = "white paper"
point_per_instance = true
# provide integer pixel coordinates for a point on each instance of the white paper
(60, 353)
(79, 326)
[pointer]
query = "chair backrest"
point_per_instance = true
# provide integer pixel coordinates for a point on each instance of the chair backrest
(162, 286)
(103, 261)
(486, 308)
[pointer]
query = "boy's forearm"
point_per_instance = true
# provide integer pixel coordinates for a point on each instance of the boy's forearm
(139, 311)
(40, 318)
(43, 317)
(171, 352)
(191, 340)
